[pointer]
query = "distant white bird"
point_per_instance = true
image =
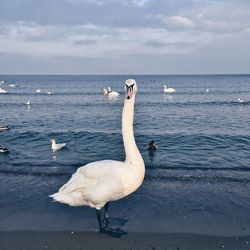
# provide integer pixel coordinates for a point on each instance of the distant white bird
(98, 183)
(49, 93)
(38, 91)
(56, 146)
(3, 90)
(12, 85)
(240, 100)
(110, 93)
(4, 128)
(28, 102)
(3, 149)
(168, 90)
(207, 90)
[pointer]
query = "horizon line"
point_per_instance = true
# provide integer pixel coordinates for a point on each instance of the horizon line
(125, 74)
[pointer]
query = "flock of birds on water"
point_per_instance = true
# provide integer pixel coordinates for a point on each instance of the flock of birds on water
(98, 183)
(106, 92)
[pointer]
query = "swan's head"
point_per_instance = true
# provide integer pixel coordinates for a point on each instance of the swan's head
(53, 141)
(130, 88)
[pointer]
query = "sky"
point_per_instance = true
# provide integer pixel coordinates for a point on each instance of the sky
(124, 36)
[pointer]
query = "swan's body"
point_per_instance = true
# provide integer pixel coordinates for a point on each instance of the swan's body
(56, 146)
(97, 183)
(110, 93)
(3, 90)
(168, 90)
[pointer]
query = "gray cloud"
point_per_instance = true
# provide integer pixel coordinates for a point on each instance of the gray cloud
(121, 31)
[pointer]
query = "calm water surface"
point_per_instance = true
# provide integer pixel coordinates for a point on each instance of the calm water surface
(198, 180)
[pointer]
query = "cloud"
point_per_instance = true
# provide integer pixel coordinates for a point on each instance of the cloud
(181, 21)
(92, 41)
(120, 30)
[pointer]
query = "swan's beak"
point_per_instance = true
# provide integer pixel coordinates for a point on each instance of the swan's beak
(130, 91)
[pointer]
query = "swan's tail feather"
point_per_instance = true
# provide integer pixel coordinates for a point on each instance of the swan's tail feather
(73, 199)
(62, 198)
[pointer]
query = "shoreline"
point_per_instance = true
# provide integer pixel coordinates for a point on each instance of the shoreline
(62, 240)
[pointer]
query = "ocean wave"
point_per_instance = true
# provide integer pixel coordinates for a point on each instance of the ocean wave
(216, 175)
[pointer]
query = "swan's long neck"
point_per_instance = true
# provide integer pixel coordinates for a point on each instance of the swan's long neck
(131, 150)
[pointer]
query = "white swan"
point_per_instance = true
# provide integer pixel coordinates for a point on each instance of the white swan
(28, 103)
(49, 93)
(110, 93)
(38, 91)
(168, 90)
(12, 85)
(98, 183)
(56, 146)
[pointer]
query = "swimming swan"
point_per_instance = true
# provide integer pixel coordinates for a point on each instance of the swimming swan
(168, 90)
(98, 183)
(110, 93)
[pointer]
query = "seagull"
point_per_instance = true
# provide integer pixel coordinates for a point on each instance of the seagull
(2, 90)
(240, 100)
(3, 149)
(56, 146)
(3, 128)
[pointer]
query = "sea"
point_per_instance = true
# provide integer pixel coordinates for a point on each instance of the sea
(197, 180)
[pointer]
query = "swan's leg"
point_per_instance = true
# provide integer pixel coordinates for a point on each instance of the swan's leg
(99, 218)
(106, 213)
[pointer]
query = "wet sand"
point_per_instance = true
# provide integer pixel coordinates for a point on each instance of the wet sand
(26, 240)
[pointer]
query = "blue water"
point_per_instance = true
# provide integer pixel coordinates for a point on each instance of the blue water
(198, 180)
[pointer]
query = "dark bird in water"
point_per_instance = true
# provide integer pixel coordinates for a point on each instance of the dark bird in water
(152, 146)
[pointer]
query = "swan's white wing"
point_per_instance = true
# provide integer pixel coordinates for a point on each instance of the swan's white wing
(94, 184)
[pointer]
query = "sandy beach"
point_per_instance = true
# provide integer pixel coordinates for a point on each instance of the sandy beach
(25, 240)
